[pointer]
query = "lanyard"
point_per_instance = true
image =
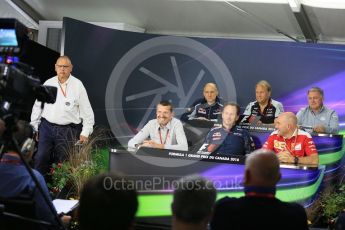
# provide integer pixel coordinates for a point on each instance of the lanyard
(64, 92)
(256, 194)
(251, 191)
(160, 136)
(292, 149)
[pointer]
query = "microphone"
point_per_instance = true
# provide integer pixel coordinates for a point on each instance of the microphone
(244, 118)
(190, 109)
(256, 119)
(253, 119)
(306, 128)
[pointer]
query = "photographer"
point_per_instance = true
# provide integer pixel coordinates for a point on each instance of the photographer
(19, 182)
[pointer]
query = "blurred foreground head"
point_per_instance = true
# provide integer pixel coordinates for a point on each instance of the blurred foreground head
(262, 169)
(108, 201)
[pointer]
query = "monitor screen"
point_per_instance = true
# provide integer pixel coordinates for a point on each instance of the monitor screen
(8, 37)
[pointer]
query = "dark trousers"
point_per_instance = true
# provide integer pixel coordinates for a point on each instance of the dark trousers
(54, 142)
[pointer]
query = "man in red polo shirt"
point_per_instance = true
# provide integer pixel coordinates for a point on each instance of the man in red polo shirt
(291, 144)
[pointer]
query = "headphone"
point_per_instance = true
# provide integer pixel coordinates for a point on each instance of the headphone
(28, 147)
(24, 135)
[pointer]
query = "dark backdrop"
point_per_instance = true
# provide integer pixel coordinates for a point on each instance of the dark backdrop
(127, 73)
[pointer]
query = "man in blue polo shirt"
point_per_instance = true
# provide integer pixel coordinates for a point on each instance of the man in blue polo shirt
(229, 139)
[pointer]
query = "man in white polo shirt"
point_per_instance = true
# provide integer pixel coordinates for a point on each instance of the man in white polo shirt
(61, 124)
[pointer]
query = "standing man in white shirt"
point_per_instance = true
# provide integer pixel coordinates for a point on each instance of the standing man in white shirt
(61, 124)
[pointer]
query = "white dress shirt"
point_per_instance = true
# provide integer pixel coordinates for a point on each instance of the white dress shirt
(172, 135)
(72, 106)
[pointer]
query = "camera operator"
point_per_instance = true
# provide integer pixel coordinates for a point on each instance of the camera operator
(19, 183)
(61, 124)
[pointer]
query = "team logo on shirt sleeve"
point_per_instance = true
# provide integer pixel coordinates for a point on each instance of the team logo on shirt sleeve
(216, 136)
(217, 111)
(279, 145)
(201, 111)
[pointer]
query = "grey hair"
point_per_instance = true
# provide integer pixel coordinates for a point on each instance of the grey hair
(316, 89)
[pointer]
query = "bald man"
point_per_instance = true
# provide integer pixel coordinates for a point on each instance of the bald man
(291, 144)
(209, 107)
(68, 120)
(259, 208)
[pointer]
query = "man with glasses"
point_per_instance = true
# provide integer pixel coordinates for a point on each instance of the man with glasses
(61, 124)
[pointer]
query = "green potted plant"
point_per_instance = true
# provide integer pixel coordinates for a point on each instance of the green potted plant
(83, 162)
(328, 206)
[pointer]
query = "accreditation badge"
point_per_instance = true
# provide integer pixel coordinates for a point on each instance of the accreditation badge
(68, 104)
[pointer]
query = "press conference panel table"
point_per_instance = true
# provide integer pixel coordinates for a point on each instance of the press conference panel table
(154, 173)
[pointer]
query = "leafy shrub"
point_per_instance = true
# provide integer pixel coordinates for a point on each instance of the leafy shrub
(82, 163)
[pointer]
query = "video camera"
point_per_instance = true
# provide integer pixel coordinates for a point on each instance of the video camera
(19, 87)
(18, 84)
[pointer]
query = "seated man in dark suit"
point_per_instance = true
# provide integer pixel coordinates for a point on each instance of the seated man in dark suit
(259, 208)
(107, 201)
(193, 202)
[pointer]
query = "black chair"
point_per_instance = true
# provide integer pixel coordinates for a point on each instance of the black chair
(196, 132)
(16, 213)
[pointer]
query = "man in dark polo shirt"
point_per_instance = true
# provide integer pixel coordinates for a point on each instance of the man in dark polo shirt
(207, 108)
(264, 110)
(229, 139)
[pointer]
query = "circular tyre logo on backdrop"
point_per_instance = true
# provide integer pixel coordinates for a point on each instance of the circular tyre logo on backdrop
(162, 68)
